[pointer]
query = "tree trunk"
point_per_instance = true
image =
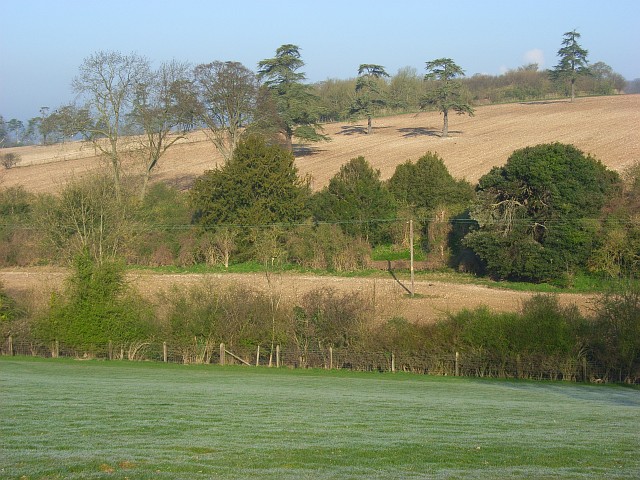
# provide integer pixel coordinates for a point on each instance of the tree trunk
(573, 85)
(445, 127)
(369, 125)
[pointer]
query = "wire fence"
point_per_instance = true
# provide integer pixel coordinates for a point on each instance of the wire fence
(467, 363)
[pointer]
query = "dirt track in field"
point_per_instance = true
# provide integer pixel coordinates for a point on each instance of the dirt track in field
(433, 298)
(605, 127)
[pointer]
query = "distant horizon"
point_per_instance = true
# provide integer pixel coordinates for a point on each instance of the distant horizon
(43, 43)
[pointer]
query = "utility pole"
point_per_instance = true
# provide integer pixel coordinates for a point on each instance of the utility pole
(411, 257)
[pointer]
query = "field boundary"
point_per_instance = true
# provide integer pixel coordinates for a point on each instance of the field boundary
(463, 364)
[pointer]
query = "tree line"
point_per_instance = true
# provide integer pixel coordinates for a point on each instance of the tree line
(548, 214)
(122, 94)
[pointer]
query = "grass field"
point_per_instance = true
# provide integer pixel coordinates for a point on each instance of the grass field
(74, 419)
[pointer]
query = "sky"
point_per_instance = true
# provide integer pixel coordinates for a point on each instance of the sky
(43, 42)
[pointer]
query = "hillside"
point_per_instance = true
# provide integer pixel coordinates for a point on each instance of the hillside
(605, 127)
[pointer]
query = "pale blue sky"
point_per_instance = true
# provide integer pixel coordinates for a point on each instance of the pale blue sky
(43, 42)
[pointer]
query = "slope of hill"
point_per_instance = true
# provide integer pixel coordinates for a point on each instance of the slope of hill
(605, 127)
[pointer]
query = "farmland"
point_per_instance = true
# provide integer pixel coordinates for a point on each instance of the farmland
(605, 127)
(74, 419)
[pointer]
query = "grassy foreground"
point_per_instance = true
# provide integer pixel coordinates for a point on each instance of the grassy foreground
(74, 419)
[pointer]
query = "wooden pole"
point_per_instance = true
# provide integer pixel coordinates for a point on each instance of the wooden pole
(10, 346)
(110, 350)
(277, 356)
(411, 254)
(330, 358)
(165, 352)
(222, 354)
(457, 364)
(393, 362)
(258, 357)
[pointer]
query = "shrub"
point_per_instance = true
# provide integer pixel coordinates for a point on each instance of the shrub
(96, 308)
(9, 160)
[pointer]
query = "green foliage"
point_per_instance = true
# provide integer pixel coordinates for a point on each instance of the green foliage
(326, 317)
(618, 252)
(434, 196)
(369, 92)
(89, 216)
(427, 185)
(10, 312)
(573, 60)
(616, 342)
(326, 247)
(18, 241)
(359, 201)
(334, 97)
(97, 308)
(537, 214)
(295, 111)
(258, 186)
(446, 93)
(163, 220)
(542, 331)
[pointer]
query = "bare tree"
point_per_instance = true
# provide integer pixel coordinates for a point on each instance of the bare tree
(162, 112)
(108, 82)
(86, 218)
(226, 94)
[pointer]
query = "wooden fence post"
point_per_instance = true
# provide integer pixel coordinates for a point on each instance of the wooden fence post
(393, 362)
(222, 354)
(165, 352)
(277, 356)
(258, 357)
(330, 358)
(10, 346)
(110, 350)
(457, 374)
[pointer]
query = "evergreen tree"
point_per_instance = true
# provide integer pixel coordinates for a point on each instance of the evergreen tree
(359, 201)
(446, 93)
(538, 213)
(258, 186)
(368, 92)
(573, 61)
(291, 107)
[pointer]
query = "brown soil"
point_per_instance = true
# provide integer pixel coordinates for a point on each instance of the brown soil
(433, 299)
(605, 127)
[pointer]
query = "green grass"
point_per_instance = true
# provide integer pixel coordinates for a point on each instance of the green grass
(75, 419)
(390, 252)
(580, 283)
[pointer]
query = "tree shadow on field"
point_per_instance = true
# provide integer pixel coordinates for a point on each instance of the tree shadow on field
(359, 129)
(352, 130)
(305, 151)
(544, 102)
(410, 132)
(182, 183)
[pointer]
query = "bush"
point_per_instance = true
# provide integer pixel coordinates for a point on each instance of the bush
(97, 308)
(536, 213)
(326, 247)
(9, 160)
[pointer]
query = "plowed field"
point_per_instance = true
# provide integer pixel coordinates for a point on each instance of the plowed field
(605, 127)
